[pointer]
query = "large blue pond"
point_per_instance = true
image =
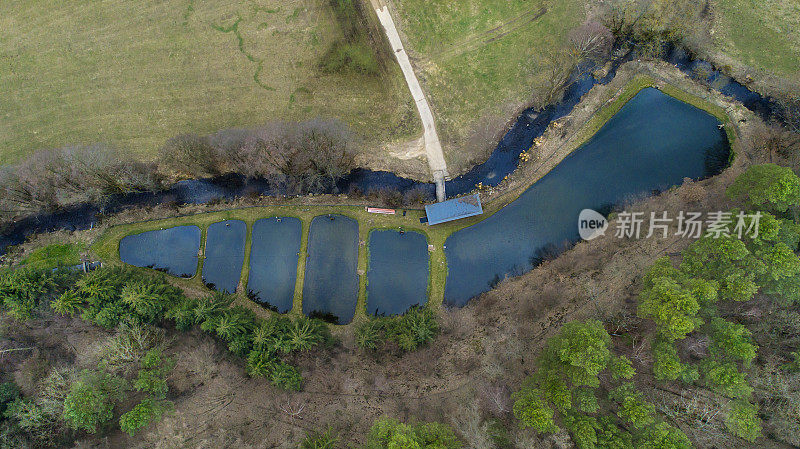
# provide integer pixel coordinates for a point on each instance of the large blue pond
(397, 277)
(651, 144)
(173, 250)
(222, 266)
(273, 262)
(330, 287)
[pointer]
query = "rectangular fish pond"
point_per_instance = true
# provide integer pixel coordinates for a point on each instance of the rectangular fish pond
(330, 288)
(397, 278)
(273, 262)
(651, 144)
(222, 266)
(172, 250)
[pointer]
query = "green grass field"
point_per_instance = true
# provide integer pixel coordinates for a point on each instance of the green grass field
(764, 34)
(480, 58)
(133, 74)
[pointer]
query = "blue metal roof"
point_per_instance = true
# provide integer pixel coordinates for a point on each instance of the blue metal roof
(462, 207)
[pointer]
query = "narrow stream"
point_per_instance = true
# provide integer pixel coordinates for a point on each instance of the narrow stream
(502, 161)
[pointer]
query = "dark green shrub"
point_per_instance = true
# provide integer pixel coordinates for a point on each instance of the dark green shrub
(415, 328)
(285, 376)
(23, 288)
(369, 334)
(144, 413)
(153, 373)
(90, 401)
(183, 313)
(9, 392)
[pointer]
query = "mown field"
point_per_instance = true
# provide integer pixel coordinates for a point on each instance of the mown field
(479, 60)
(761, 34)
(133, 74)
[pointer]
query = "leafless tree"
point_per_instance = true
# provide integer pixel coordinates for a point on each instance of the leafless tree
(591, 41)
(293, 408)
(191, 155)
(497, 398)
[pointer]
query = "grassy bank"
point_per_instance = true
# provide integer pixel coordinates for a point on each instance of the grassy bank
(764, 35)
(133, 74)
(478, 61)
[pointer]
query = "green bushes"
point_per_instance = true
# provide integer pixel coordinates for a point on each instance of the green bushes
(22, 289)
(416, 328)
(564, 388)
(769, 187)
(743, 421)
(89, 404)
(152, 374)
(733, 267)
(108, 296)
(140, 416)
(280, 335)
(387, 433)
(317, 440)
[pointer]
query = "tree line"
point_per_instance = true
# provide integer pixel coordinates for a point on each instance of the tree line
(299, 157)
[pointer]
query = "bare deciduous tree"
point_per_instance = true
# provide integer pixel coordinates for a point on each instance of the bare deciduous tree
(591, 40)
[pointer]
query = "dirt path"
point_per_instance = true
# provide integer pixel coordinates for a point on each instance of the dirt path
(433, 147)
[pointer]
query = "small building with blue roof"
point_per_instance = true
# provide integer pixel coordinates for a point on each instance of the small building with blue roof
(461, 207)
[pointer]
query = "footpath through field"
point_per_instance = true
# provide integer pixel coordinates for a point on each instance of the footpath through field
(433, 147)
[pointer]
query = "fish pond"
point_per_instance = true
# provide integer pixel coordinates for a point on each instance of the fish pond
(172, 250)
(397, 278)
(330, 288)
(651, 144)
(273, 262)
(222, 266)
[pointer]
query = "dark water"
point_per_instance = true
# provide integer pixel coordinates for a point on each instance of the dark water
(650, 145)
(502, 161)
(224, 255)
(330, 288)
(173, 250)
(273, 262)
(397, 277)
